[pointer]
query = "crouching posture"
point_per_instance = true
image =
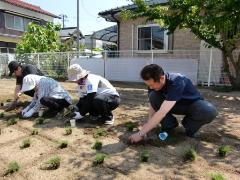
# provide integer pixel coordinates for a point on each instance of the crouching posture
(97, 96)
(48, 93)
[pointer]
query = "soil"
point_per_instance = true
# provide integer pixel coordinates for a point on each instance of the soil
(122, 159)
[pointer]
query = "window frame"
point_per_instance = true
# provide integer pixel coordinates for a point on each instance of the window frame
(165, 49)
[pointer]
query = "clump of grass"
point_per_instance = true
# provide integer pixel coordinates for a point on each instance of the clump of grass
(51, 164)
(40, 120)
(68, 131)
(100, 132)
(223, 151)
(1, 114)
(63, 144)
(97, 145)
(99, 159)
(190, 155)
(9, 100)
(12, 168)
(144, 156)
(34, 131)
(25, 143)
(217, 177)
(130, 125)
(11, 122)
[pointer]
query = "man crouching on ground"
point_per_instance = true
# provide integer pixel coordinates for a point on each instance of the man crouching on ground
(173, 93)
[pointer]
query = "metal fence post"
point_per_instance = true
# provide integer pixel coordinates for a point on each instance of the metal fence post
(38, 63)
(68, 61)
(152, 57)
(210, 68)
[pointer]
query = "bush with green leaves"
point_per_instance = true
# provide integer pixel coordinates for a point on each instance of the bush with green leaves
(63, 144)
(25, 143)
(1, 115)
(217, 177)
(130, 125)
(190, 155)
(34, 131)
(144, 156)
(100, 132)
(68, 131)
(51, 164)
(12, 121)
(99, 159)
(97, 145)
(12, 167)
(223, 151)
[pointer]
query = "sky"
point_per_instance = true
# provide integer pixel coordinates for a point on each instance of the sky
(89, 9)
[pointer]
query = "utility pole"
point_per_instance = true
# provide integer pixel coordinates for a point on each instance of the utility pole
(64, 19)
(78, 31)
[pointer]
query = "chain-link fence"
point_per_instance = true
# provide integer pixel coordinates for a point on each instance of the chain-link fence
(202, 67)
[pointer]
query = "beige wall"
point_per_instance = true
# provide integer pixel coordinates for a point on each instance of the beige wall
(26, 12)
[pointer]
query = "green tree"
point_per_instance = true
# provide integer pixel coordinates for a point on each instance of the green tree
(40, 39)
(215, 21)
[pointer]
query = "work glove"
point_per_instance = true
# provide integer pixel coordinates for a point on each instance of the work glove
(29, 113)
(11, 106)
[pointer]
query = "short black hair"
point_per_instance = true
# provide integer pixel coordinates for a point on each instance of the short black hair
(152, 71)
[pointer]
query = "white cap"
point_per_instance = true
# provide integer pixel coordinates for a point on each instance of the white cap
(76, 72)
(29, 82)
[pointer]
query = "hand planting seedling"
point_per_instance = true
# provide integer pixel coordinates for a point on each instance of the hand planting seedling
(51, 164)
(63, 144)
(130, 125)
(11, 122)
(25, 143)
(68, 131)
(190, 155)
(217, 177)
(40, 120)
(99, 159)
(223, 151)
(100, 132)
(34, 131)
(97, 145)
(144, 156)
(1, 115)
(12, 167)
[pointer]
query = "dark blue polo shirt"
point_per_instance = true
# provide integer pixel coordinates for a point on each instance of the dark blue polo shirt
(179, 88)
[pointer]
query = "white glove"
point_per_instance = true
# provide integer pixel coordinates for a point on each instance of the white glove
(29, 113)
(77, 116)
(25, 110)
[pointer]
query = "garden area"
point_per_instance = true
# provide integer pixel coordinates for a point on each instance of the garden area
(37, 148)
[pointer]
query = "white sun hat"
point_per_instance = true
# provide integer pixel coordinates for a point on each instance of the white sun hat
(76, 72)
(30, 81)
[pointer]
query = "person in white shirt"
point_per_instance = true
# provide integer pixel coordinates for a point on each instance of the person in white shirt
(97, 95)
(48, 93)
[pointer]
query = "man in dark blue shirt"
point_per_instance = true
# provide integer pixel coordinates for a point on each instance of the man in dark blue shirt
(173, 93)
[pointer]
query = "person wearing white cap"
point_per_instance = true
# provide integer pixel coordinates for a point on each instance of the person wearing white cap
(97, 95)
(48, 93)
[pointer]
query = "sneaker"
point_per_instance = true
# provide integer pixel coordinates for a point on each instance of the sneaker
(110, 121)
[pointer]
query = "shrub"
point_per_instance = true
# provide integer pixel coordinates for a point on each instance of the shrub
(51, 164)
(97, 145)
(100, 132)
(144, 156)
(25, 143)
(40, 120)
(223, 151)
(63, 144)
(34, 131)
(68, 131)
(217, 177)
(1, 115)
(190, 155)
(130, 125)
(99, 159)
(12, 167)
(11, 122)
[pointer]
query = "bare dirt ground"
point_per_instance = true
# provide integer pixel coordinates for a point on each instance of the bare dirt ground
(122, 160)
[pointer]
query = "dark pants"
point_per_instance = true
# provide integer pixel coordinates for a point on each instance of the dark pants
(30, 93)
(55, 105)
(101, 104)
(196, 113)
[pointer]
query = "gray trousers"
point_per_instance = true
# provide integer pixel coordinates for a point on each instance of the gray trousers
(197, 113)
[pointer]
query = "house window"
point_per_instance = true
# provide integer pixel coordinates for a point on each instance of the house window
(14, 22)
(152, 37)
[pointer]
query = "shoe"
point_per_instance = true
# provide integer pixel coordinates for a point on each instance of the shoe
(77, 116)
(110, 121)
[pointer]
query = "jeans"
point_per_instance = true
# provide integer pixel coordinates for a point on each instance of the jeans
(197, 113)
(54, 104)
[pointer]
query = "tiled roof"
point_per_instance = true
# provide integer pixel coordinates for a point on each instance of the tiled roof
(22, 4)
